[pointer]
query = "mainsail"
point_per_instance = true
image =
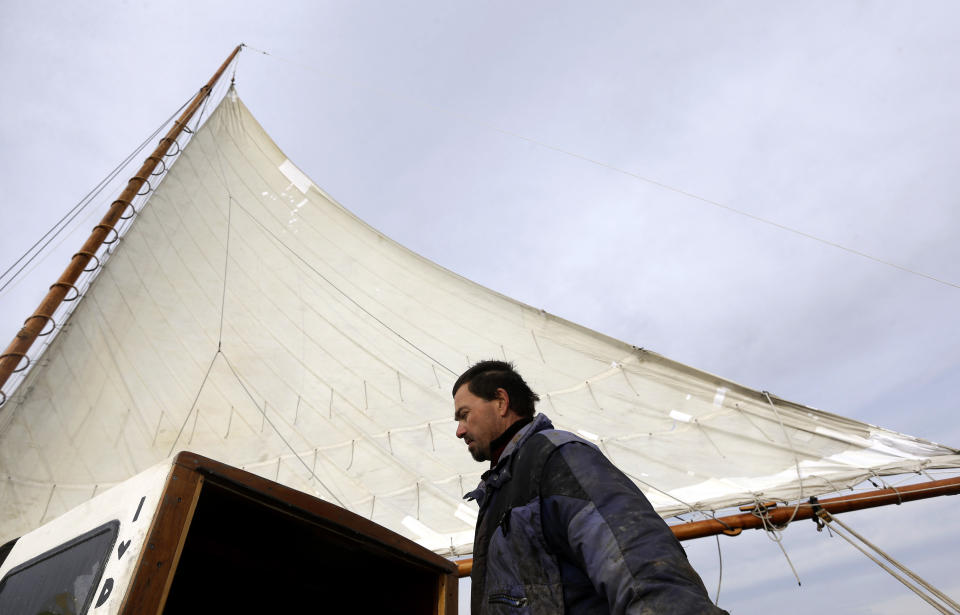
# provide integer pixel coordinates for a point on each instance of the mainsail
(247, 316)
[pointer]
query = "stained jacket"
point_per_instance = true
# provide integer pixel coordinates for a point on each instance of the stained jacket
(561, 530)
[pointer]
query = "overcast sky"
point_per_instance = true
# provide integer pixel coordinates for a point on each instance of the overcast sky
(471, 132)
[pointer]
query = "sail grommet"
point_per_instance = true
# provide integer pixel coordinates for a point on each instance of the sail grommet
(53, 323)
(22, 355)
(160, 161)
(145, 181)
(91, 255)
(69, 286)
(126, 204)
(116, 235)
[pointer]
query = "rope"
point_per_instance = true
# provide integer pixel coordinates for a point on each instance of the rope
(796, 461)
(775, 534)
(194, 404)
(716, 599)
(637, 176)
(277, 431)
(226, 263)
(831, 519)
(85, 202)
(342, 292)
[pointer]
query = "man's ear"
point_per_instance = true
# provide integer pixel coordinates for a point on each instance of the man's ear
(503, 399)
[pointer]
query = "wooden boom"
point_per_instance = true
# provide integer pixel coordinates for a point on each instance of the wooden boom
(779, 516)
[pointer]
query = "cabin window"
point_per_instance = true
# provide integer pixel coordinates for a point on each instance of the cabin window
(61, 581)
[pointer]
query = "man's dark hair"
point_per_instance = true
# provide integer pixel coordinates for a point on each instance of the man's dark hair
(484, 378)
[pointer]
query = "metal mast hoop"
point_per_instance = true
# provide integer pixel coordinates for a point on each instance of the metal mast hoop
(32, 327)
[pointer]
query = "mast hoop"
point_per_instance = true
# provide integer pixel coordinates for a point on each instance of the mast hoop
(4, 399)
(159, 161)
(126, 204)
(22, 355)
(145, 181)
(69, 286)
(91, 255)
(172, 142)
(53, 323)
(116, 235)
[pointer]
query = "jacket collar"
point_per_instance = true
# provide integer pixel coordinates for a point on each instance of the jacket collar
(500, 473)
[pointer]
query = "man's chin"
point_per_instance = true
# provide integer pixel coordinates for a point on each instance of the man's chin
(477, 454)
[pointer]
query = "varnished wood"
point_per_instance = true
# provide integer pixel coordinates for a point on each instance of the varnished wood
(14, 355)
(157, 563)
(447, 600)
(780, 515)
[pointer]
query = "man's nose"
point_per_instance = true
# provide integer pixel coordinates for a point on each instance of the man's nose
(461, 430)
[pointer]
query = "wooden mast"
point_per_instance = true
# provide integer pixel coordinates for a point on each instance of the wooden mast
(16, 352)
(779, 516)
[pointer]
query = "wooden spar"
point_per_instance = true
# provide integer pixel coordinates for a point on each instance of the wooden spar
(32, 326)
(734, 524)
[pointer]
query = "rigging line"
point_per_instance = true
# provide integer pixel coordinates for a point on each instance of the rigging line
(196, 125)
(84, 202)
(733, 210)
(796, 459)
(776, 535)
(891, 572)
(226, 265)
(277, 431)
(617, 169)
(326, 196)
(216, 93)
(893, 561)
(716, 599)
(335, 287)
(865, 497)
(690, 507)
(194, 404)
(226, 257)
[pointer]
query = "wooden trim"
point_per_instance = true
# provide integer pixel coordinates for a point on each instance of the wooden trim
(447, 595)
(153, 574)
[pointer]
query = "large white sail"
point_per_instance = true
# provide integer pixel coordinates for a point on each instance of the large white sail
(250, 318)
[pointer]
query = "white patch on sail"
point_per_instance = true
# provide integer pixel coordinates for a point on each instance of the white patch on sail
(296, 176)
(718, 398)
(432, 539)
(466, 514)
(843, 437)
(683, 417)
(588, 435)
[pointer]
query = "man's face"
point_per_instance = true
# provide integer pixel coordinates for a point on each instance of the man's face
(479, 421)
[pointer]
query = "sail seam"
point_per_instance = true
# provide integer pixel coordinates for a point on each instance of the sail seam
(342, 292)
(276, 430)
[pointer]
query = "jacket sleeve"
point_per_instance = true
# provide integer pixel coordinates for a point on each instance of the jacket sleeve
(602, 527)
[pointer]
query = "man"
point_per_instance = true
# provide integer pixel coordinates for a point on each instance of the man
(560, 530)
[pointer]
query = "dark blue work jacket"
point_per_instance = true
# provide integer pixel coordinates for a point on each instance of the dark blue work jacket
(561, 530)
